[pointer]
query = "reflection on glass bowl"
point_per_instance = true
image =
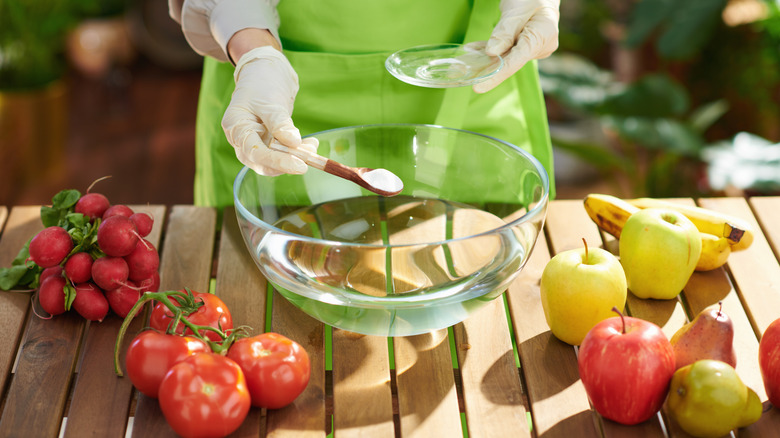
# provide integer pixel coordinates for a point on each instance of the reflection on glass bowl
(460, 231)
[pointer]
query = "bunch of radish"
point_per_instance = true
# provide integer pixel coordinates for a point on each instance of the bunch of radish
(91, 257)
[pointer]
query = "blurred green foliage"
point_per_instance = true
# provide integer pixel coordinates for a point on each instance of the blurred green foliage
(33, 35)
(679, 28)
(656, 136)
(699, 81)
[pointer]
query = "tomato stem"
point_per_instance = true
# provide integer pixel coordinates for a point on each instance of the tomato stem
(187, 305)
(123, 328)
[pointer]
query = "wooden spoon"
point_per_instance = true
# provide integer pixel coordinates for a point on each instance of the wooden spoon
(380, 181)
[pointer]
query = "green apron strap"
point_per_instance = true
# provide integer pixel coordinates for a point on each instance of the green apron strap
(455, 102)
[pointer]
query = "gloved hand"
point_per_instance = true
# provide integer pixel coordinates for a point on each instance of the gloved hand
(260, 110)
(527, 29)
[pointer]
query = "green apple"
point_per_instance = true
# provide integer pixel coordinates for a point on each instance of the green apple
(579, 288)
(659, 249)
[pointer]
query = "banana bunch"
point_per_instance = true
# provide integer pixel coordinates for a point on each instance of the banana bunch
(721, 234)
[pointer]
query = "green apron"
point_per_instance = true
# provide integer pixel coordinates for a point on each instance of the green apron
(338, 49)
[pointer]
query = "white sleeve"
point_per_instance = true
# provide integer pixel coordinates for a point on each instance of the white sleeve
(208, 25)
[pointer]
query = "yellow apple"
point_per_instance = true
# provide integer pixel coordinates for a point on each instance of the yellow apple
(659, 249)
(579, 288)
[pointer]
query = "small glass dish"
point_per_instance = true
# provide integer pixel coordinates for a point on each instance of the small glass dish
(444, 65)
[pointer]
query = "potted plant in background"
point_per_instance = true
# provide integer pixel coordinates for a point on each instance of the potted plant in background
(647, 140)
(33, 89)
(661, 84)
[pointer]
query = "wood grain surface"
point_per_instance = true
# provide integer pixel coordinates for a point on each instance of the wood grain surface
(59, 378)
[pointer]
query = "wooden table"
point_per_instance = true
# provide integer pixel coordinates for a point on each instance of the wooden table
(59, 379)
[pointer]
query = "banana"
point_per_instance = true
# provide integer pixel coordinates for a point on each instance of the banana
(609, 212)
(738, 232)
(714, 252)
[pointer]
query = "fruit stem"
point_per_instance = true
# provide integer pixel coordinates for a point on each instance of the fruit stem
(622, 318)
(187, 305)
(585, 242)
(720, 308)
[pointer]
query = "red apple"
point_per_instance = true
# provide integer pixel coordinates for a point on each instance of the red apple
(626, 365)
(769, 361)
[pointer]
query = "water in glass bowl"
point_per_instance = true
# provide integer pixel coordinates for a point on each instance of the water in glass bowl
(405, 265)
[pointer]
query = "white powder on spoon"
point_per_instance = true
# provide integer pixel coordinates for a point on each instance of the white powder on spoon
(384, 180)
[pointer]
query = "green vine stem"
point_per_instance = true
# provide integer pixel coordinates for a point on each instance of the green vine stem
(187, 305)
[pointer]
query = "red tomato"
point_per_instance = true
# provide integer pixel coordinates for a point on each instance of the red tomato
(276, 368)
(213, 313)
(204, 395)
(151, 354)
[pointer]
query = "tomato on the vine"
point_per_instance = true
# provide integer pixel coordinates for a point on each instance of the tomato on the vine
(276, 368)
(151, 354)
(213, 313)
(204, 395)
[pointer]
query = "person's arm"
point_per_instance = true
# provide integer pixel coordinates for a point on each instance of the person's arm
(244, 32)
(247, 39)
(210, 25)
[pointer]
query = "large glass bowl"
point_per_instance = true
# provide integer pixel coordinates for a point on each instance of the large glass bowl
(455, 237)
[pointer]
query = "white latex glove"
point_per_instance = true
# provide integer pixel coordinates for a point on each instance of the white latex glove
(260, 110)
(527, 29)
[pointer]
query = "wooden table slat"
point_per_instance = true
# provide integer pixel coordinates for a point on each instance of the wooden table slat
(756, 276)
(767, 212)
(567, 229)
(22, 223)
(239, 284)
(362, 395)
(305, 417)
(97, 388)
(188, 248)
(755, 270)
(492, 390)
(3, 215)
(559, 405)
(48, 350)
(186, 260)
(242, 288)
(427, 397)
(39, 388)
(581, 226)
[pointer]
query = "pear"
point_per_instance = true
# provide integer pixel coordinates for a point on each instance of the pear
(709, 336)
(708, 399)
(753, 410)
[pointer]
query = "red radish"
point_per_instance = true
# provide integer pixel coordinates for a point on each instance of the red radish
(143, 223)
(118, 210)
(78, 267)
(117, 236)
(51, 271)
(123, 298)
(142, 261)
(92, 205)
(109, 272)
(50, 246)
(51, 295)
(90, 302)
(151, 284)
